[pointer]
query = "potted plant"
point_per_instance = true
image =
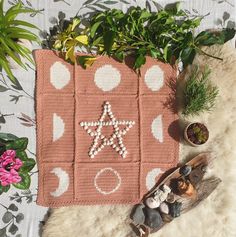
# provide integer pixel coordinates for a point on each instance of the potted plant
(196, 134)
(15, 34)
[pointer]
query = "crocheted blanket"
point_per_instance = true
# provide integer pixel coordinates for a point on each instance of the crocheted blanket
(105, 134)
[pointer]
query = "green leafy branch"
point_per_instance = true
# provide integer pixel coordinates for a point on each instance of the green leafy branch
(167, 35)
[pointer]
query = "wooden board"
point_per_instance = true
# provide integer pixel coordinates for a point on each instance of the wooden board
(203, 188)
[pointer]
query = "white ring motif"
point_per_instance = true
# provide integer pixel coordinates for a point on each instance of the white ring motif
(114, 189)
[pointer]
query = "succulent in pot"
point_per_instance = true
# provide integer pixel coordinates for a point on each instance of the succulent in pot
(14, 34)
(196, 134)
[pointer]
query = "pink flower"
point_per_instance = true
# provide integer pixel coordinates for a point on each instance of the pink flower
(9, 165)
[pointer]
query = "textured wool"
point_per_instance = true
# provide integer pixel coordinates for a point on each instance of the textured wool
(216, 215)
(71, 100)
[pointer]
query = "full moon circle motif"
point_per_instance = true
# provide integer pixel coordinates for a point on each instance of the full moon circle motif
(107, 78)
(154, 78)
(115, 188)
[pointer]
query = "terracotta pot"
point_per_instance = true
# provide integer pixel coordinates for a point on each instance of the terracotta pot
(187, 138)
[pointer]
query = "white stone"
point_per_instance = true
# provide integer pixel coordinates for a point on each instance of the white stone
(152, 203)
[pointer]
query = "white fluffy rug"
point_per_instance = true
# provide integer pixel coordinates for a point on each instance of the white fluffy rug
(214, 217)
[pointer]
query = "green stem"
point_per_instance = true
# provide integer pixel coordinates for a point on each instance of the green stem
(209, 55)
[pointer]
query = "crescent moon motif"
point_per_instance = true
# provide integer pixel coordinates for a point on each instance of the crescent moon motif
(151, 177)
(58, 127)
(157, 128)
(64, 181)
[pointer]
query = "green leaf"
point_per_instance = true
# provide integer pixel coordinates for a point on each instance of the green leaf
(4, 189)
(3, 89)
(140, 60)
(6, 67)
(94, 28)
(19, 144)
(120, 56)
(22, 155)
(208, 38)
(86, 61)
(28, 165)
(25, 182)
(155, 53)
(108, 38)
(145, 14)
(22, 23)
(8, 136)
(187, 55)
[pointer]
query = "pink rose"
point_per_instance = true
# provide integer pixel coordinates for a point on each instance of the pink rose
(9, 165)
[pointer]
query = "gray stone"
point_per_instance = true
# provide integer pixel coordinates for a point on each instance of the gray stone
(185, 170)
(153, 218)
(137, 214)
(175, 209)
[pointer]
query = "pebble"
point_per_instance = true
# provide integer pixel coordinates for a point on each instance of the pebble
(166, 218)
(170, 198)
(196, 175)
(153, 218)
(152, 203)
(175, 209)
(164, 208)
(185, 170)
(137, 214)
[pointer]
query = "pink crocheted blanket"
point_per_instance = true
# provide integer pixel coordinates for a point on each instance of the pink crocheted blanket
(104, 134)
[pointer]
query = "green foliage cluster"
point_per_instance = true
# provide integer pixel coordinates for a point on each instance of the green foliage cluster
(11, 142)
(199, 93)
(167, 35)
(11, 31)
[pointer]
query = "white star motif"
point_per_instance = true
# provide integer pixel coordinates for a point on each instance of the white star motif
(117, 132)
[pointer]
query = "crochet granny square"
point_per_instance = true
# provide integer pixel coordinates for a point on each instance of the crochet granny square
(105, 134)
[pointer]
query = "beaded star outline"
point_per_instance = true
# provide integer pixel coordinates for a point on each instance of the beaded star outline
(117, 132)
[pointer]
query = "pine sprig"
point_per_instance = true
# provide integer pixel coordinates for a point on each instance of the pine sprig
(199, 93)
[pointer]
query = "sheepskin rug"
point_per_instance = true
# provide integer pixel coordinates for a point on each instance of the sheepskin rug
(216, 215)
